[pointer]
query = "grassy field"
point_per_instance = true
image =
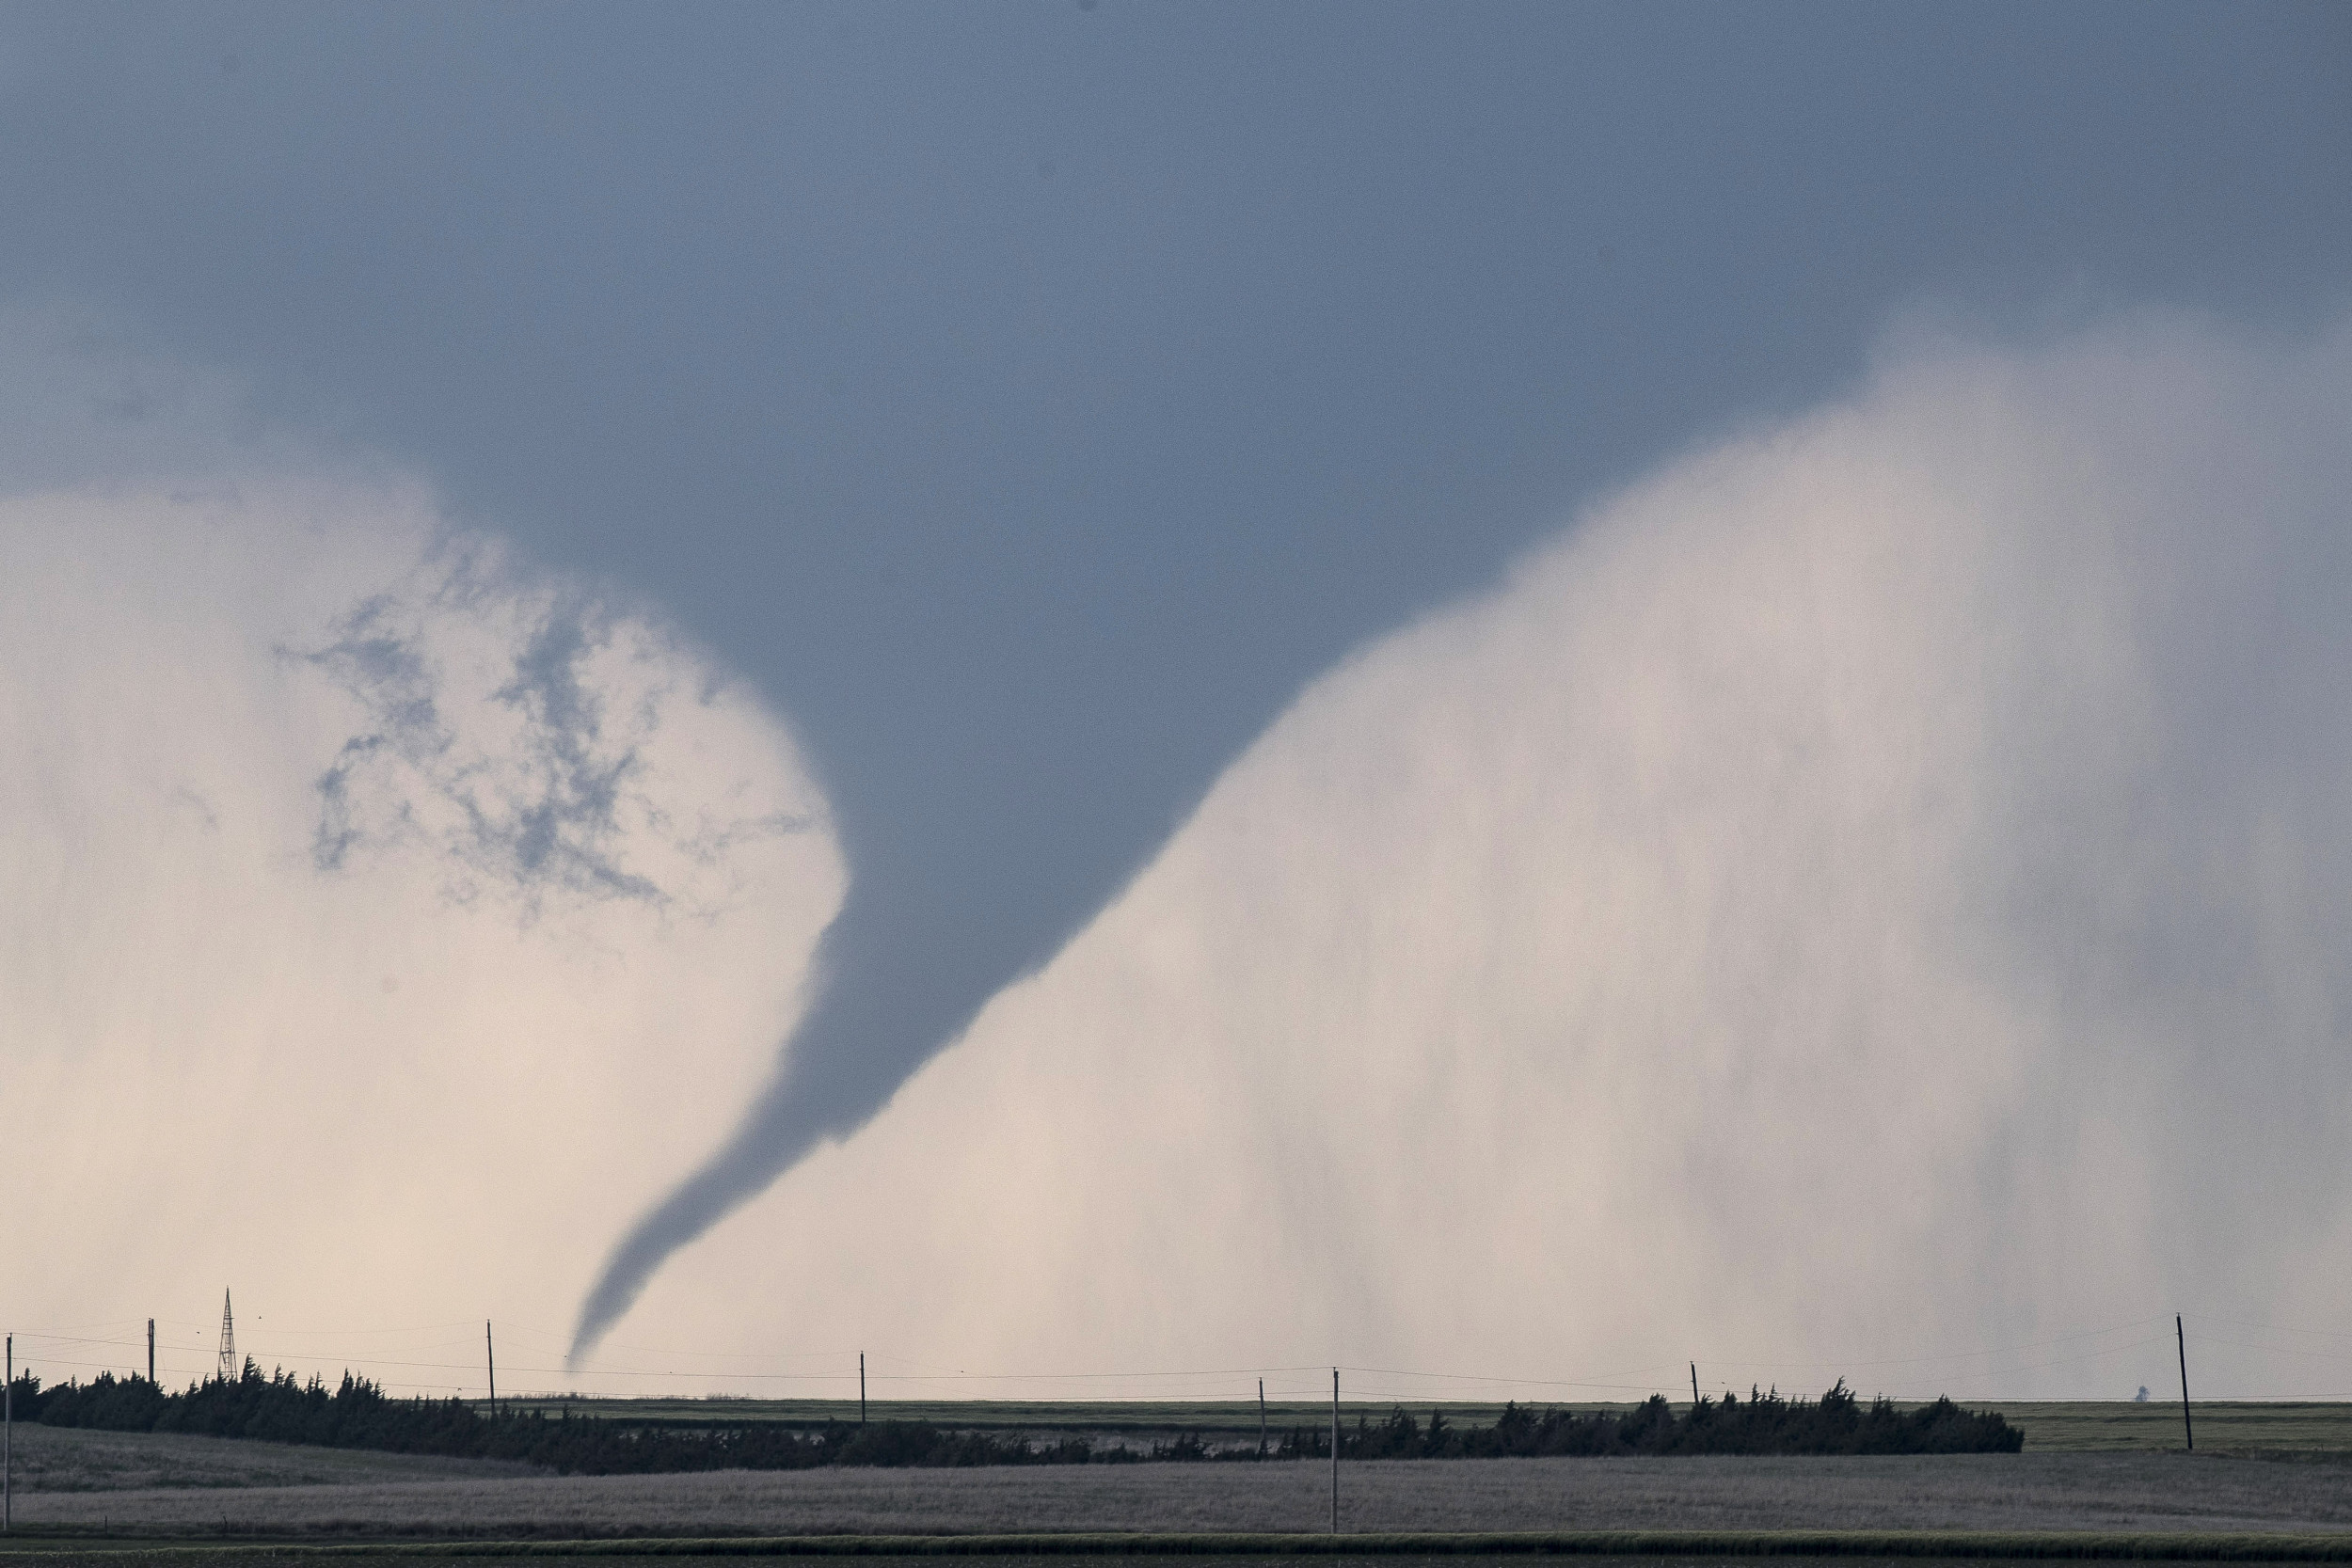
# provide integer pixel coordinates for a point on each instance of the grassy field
(2111, 1493)
(2129, 1428)
(1595, 1548)
(2087, 1467)
(1604, 1551)
(64, 1460)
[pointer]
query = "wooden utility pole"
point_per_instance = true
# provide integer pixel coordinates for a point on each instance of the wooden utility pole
(861, 1387)
(7, 1443)
(1261, 1417)
(1695, 1387)
(490, 1357)
(151, 1350)
(2180, 1337)
(1335, 1450)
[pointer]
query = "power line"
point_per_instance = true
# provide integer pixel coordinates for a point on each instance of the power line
(1087, 1385)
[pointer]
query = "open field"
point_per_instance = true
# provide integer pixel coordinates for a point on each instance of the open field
(2087, 1467)
(67, 1460)
(1618, 1550)
(1978, 1492)
(2118, 1427)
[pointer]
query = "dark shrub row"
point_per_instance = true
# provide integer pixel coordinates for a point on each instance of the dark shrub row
(358, 1414)
(1762, 1424)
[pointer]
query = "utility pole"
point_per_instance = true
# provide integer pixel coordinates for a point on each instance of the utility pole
(1261, 1417)
(2181, 1336)
(1695, 1387)
(861, 1387)
(151, 1350)
(490, 1356)
(1335, 1450)
(8, 1444)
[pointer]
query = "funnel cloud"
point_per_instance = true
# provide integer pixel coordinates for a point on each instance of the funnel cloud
(1867, 894)
(1023, 404)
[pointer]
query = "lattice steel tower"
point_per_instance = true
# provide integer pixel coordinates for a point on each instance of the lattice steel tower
(227, 1341)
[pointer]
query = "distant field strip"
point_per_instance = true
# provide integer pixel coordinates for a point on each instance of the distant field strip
(1007, 1549)
(2134, 1427)
(2110, 1495)
(71, 1459)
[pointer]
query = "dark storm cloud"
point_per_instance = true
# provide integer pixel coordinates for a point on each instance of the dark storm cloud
(1028, 500)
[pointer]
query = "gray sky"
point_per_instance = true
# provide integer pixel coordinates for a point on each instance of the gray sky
(1029, 397)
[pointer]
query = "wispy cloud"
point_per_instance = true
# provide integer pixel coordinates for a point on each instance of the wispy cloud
(508, 732)
(377, 899)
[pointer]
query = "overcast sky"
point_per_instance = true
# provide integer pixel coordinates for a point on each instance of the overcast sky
(1028, 399)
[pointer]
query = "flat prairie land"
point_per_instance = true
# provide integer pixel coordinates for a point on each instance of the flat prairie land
(2114, 1427)
(65, 1460)
(2123, 1491)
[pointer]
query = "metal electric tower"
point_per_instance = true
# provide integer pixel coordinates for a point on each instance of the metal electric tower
(227, 1341)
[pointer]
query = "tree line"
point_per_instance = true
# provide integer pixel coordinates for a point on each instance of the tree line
(357, 1414)
(1764, 1424)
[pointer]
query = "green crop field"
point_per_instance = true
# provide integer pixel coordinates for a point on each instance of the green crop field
(2232, 1428)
